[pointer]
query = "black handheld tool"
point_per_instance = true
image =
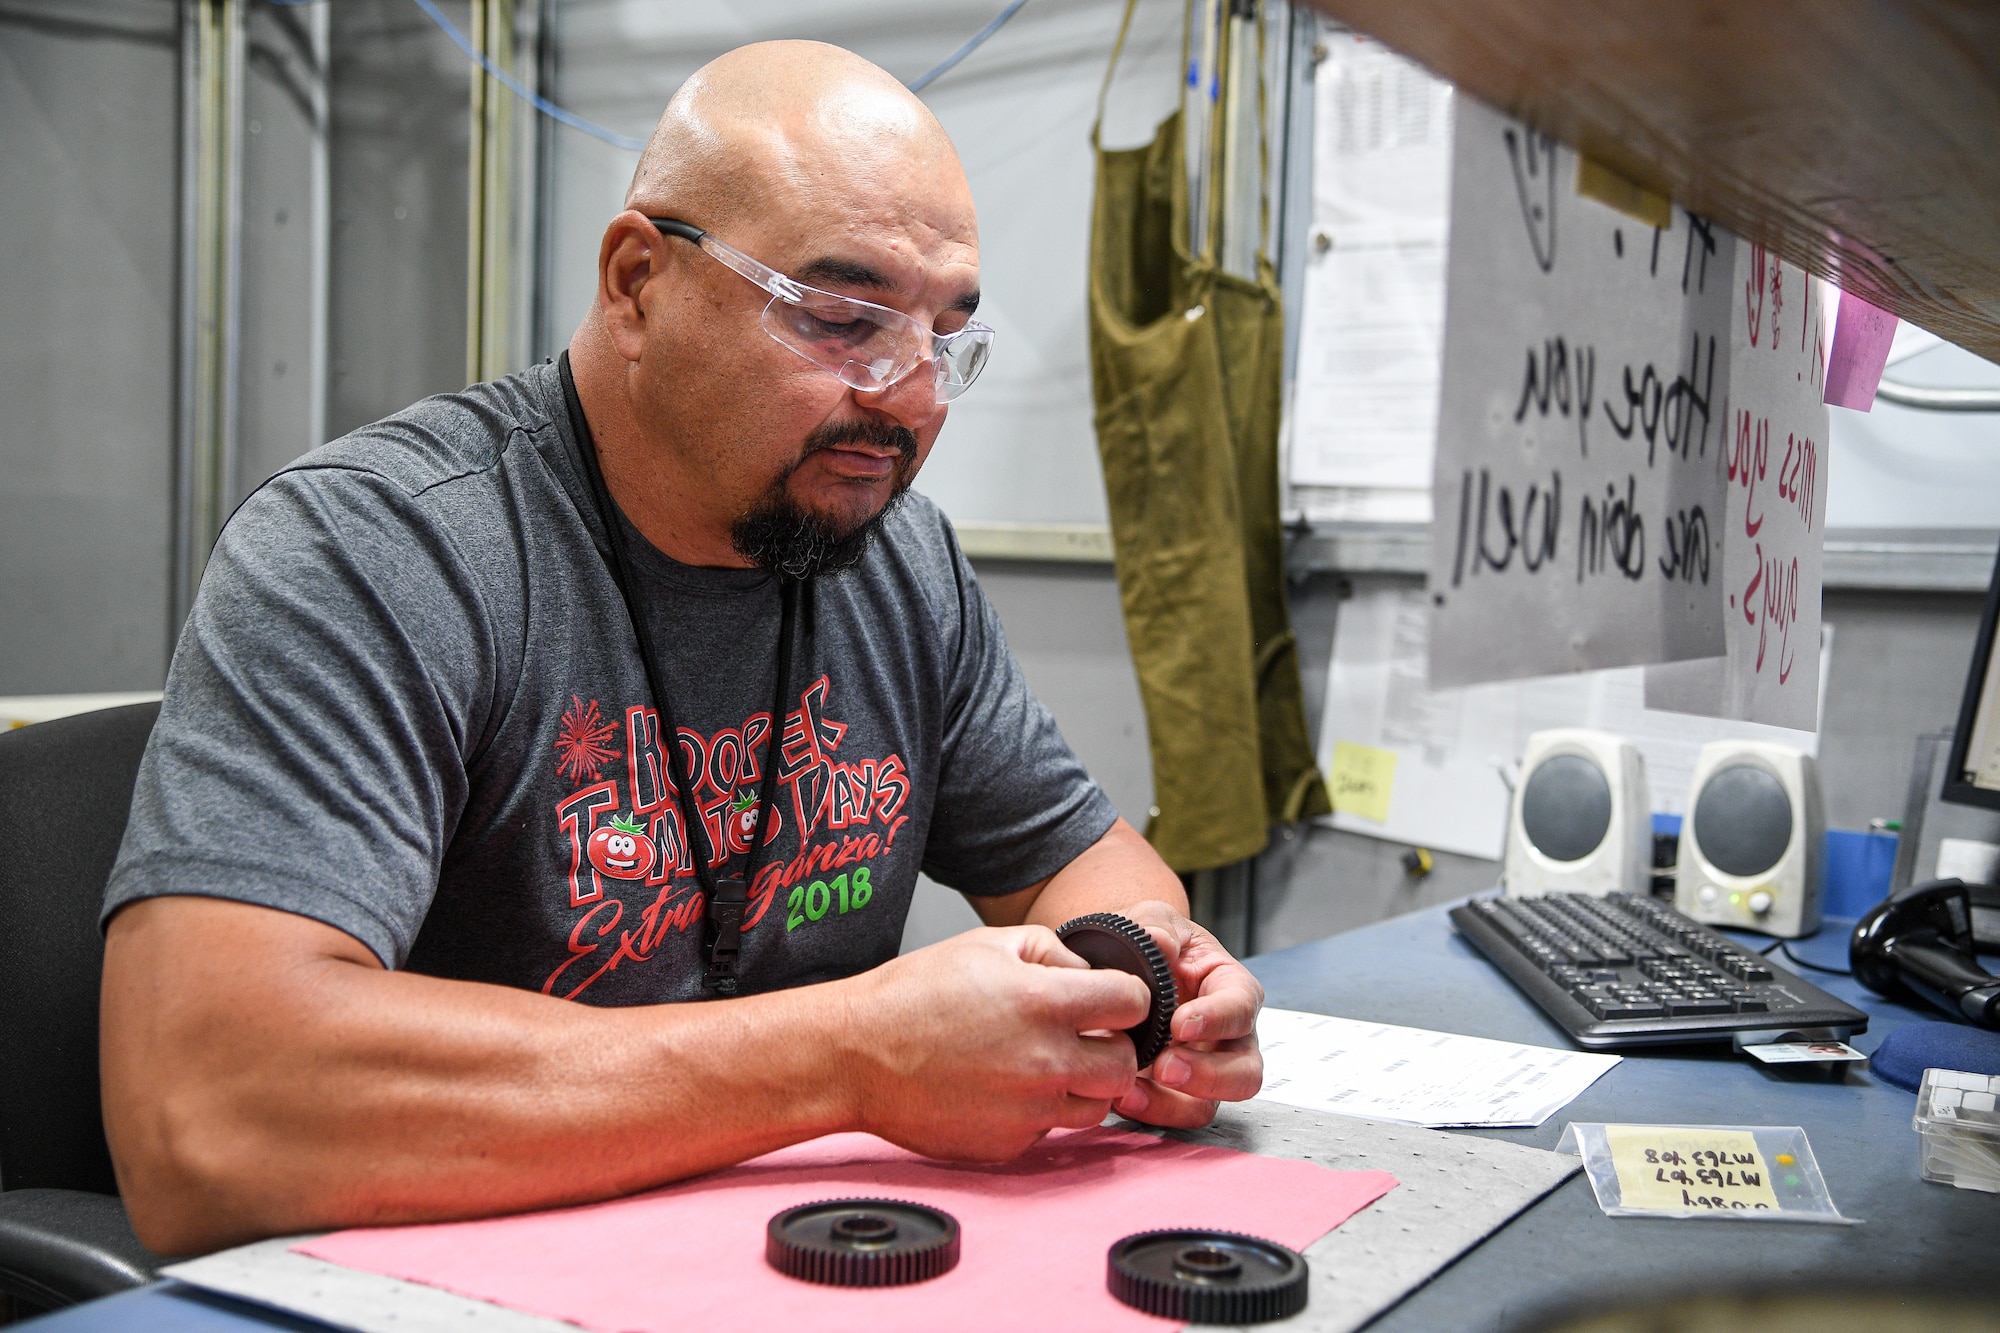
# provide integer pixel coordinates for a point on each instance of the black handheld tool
(1106, 939)
(862, 1242)
(1207, 1277)
(1922, 942)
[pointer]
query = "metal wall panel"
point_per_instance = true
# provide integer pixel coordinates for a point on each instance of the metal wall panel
(401, 145)
(89, 98)
(284, 232)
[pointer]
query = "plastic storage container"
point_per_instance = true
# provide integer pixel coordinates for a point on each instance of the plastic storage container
(1958, 1128)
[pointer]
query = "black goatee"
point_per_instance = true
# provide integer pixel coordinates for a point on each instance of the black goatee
(781, 536)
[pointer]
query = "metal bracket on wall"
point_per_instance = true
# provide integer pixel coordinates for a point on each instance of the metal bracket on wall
(501, 198)
(1901, 559)
(1064, 543)
(210, 290)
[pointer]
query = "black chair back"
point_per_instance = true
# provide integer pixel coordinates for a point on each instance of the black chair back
(65, 792)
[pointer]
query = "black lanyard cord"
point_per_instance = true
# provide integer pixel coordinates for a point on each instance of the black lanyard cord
(728, 900)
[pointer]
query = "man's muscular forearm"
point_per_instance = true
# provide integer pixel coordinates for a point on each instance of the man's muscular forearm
(1119, 870)
(263, 1074)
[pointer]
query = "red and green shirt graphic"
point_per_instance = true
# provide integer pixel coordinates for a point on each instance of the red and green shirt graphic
(834, 817)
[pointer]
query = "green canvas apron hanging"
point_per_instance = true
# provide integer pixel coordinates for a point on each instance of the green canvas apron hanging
(1186, 364)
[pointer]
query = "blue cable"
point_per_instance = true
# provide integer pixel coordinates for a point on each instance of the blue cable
(508, 81)
(528, 95)
(923, 80)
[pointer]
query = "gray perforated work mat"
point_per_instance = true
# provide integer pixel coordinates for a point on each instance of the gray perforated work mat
(1454, 1190)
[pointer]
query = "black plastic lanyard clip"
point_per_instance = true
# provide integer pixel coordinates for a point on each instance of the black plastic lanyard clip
(725, 929)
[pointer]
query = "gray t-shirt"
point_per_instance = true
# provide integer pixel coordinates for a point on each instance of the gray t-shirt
(409, 704)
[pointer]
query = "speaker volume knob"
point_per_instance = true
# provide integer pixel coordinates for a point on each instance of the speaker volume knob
(1760, 902)
(1707, 895)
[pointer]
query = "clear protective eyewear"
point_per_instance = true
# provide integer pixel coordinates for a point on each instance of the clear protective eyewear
(865, 346)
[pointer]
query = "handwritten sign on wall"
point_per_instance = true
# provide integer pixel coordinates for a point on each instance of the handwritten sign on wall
(1773, 539)
(1580, 480)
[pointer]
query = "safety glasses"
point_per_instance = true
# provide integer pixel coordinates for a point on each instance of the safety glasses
(865, 346)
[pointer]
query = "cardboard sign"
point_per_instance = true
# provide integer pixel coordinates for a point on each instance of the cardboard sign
(1773, 541)
(1580, 483)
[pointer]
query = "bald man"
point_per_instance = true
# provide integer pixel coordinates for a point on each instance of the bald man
(506, 726)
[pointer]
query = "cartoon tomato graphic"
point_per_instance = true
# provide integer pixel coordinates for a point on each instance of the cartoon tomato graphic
(622, 850)
(742, 825)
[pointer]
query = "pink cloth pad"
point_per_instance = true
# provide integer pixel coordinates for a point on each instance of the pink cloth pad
(1035, 1232)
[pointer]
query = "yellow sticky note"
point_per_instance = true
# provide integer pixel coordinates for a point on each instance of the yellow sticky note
(1363, 777)
(1668, 1169)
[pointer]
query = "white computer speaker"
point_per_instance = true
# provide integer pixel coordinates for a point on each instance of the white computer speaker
(1752, 840)
(1581, 821)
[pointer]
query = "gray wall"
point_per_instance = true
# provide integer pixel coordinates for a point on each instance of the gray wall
(281, 385)
(401, 139)
(1899, 667)
(89, 102)
(342, 319)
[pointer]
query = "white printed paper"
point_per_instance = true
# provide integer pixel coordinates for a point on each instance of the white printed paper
(1456, 748)
(1580, 464)
(1380, 1071)
(1364, 406)
(1774, 533)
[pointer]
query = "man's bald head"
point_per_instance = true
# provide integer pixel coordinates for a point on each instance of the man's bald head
(794, 127)
(726, 439)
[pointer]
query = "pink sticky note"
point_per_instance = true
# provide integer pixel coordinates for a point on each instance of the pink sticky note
(1035, 1232)
(1861, 338)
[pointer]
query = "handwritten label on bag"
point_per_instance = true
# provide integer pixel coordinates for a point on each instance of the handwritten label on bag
(1580, 479)
(1669, 1169)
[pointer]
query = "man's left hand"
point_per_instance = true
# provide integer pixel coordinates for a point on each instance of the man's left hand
(1213, 1056)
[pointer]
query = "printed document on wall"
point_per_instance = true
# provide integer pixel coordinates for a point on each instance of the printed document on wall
(1452, 748)
(1580, 462)
(1774, 529)
(1364, 407)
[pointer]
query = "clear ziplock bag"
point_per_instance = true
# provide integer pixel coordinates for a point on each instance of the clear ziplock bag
(1754, 1173)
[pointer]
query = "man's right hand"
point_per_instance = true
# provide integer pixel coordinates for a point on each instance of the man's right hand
(975, 1047)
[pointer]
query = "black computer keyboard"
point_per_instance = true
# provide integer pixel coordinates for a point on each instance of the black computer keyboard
(1623, 970)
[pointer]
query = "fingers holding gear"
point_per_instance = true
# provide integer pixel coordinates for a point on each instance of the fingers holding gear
(1108, 940)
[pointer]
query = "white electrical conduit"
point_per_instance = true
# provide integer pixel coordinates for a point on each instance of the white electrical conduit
(1926, 399)
(1923, 397)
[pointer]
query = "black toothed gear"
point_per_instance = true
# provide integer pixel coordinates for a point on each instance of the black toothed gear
(1106, 939)
(1207, 1277)
(862, 1242)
